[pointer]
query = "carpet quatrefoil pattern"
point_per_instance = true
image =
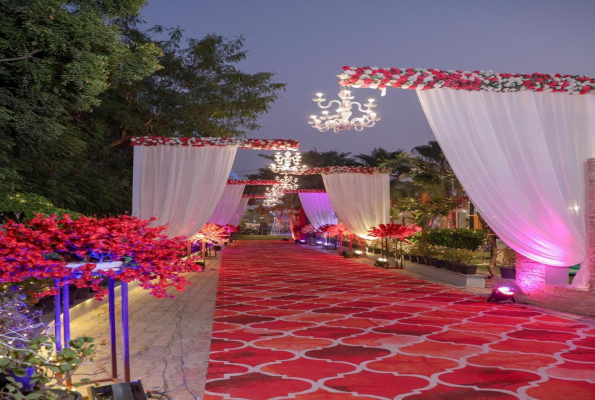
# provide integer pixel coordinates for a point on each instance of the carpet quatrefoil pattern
(295, 323)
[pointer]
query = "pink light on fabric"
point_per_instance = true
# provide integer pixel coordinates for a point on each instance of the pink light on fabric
(318, 209)
(521, 158)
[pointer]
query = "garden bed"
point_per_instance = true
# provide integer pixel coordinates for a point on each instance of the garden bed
(443, 275)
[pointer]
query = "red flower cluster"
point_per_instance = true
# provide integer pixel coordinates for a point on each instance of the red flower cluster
(254, 144)
(212, 233)
(45, 247)
(329, 229)
(423, 78)
(345, 170)
(309, 229)
(252, 182)
(398, 231)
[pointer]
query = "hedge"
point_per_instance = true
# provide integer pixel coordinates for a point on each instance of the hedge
(456, 238)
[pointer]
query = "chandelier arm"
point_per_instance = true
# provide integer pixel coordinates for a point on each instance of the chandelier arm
(329, 104)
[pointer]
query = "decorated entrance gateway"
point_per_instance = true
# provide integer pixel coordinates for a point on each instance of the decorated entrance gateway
(519, 144)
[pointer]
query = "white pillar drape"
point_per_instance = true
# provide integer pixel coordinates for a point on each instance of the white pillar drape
(179, 186)
(521, 159)
(361, 201)
(239, 212)
(318, 209)
(227, 205)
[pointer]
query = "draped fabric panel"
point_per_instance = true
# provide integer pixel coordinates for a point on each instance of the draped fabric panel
(180, 186)
(361, 201)
(239, 212)
(228, 204)
(521, 158)
(318, 208)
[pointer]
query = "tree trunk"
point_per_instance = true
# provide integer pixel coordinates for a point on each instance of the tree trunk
(493, 254)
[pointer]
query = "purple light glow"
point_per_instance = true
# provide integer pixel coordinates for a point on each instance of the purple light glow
(506, 290)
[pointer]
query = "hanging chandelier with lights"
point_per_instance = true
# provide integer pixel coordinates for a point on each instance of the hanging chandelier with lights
(287, 163)
(287, 182)
(340, 121)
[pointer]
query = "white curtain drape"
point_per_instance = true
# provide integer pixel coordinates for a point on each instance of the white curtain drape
(228, 205)
(318, 209)
(239, 212)
(521, 159)
(361, 201)
(180, 186)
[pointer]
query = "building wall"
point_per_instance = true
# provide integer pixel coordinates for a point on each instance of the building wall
(530, 275)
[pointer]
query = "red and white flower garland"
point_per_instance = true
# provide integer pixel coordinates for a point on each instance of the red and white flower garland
(254, 196)
(254, 144)
(305, 191)
(252, 182)
(424, 78)
(345, 170)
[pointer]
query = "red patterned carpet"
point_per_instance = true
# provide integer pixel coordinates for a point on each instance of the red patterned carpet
(294, 323)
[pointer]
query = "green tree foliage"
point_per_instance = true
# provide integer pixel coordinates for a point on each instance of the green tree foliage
(78, 79)
(56, 59)
(199, 91)
(21, 207)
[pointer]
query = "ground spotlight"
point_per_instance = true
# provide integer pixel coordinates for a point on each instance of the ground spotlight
(381, 262)
(502, 293)
(319, 242)
(358, 253)
(302, 241)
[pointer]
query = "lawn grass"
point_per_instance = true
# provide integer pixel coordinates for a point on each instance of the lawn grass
(262, 237)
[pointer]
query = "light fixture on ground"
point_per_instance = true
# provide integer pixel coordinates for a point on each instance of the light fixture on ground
(358, 253)
(340, 121)
(502, 293)
(381, 262)
(287, 163)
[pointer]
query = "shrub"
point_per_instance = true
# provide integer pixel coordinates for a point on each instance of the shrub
(469, 239)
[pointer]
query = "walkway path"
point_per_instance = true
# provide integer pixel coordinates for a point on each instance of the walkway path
(291, 322)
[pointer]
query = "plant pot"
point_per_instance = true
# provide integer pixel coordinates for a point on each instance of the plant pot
(429, 261)
(377, 251)
(391, 254)
(217, 248)
(70, 395)
(508, 272)
(456, 267)
(438, 263)
(407, 257)
(82, 293)
(447, 265)
(469, 269)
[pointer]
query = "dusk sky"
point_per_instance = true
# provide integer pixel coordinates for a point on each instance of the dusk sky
(306, 42)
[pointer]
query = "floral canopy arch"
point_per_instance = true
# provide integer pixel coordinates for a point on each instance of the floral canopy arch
(519, 153)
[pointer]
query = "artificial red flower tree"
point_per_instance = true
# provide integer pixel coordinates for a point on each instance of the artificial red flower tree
(69, 251)
(397, 231)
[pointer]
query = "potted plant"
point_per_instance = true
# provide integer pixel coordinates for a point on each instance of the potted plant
(506, 263)
(31, 368)
(461, 257)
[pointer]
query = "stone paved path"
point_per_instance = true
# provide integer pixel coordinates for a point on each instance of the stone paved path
(170, 338)
(294, 323)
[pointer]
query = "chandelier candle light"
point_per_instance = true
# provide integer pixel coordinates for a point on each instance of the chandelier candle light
(287, 163)
(340, 121)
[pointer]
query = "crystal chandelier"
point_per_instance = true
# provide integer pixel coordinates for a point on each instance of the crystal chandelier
(287, 182)
(274, 193)
(340, 121)
(287, 163)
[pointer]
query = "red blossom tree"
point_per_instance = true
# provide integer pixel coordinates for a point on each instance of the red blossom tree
(43, 249)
